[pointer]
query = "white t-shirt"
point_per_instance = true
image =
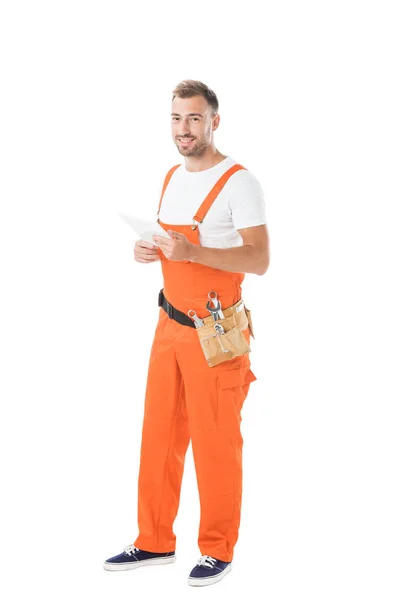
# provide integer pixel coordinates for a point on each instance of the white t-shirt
(240, 203)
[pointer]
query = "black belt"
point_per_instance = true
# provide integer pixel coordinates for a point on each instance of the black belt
(173, 313)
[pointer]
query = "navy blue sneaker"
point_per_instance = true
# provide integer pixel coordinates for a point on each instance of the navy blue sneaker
(208, 570)
(133, 557)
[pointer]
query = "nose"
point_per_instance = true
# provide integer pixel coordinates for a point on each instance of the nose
(183, 128)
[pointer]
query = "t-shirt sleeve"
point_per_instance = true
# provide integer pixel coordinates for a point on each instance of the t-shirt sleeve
(247, 204)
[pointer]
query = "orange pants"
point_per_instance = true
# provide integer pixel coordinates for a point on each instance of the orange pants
(188, 400)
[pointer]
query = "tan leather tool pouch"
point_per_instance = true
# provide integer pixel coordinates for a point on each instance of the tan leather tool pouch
(248, 314)
(219, 347)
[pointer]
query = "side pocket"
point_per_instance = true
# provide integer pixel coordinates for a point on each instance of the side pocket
(233, 387)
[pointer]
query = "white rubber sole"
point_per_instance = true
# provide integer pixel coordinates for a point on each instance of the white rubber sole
(200, 581)
(138, 563)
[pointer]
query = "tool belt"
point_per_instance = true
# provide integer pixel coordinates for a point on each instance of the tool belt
(222, 339)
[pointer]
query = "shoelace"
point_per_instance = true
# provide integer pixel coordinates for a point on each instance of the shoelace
(207, 561)
(131, 549)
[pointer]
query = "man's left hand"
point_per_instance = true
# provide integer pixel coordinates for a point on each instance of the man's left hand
(179, 248)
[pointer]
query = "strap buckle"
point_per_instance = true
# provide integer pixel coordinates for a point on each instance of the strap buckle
(170, 310)
(160, 297)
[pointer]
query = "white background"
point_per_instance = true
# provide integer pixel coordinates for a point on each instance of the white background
(309, 97)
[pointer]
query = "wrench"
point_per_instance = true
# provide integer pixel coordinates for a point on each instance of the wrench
(197, 321)
(214, 310)
(220, 331)
(213, 296)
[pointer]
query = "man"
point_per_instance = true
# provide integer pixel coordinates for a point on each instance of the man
(213, 210)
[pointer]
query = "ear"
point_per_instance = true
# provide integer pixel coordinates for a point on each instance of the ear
(215, 123)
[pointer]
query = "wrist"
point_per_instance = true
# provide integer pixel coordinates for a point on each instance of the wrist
(192, 253)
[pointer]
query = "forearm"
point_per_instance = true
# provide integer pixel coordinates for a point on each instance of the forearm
(240, 259)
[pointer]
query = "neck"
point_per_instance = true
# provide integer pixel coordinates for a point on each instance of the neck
(209, 158)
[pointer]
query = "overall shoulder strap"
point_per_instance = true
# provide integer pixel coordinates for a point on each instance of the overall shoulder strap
(166, 182)
(206, 205)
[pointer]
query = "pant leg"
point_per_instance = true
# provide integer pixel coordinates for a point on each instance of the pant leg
(214, 399)
(165, 438)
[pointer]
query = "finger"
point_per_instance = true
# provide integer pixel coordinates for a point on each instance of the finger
(147, 251)
(144, 244)
(147, 260)
(146, 256)
(160, 239)
(164, 244)
(175, 234)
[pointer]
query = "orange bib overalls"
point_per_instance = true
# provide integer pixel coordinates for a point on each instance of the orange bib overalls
(188, 400)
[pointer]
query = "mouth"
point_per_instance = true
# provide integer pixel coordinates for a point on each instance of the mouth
(185, 141)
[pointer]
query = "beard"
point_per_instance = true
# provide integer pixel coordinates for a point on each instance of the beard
(196, 149)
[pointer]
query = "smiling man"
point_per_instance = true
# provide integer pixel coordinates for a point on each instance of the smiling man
(213, 210)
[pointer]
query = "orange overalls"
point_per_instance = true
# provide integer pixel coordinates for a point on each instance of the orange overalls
(188, 400)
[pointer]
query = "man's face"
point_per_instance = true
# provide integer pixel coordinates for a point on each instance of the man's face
(192, 125)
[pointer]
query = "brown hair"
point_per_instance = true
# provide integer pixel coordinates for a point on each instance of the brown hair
(189, 88)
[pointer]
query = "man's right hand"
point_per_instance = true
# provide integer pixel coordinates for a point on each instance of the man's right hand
(145, 252)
